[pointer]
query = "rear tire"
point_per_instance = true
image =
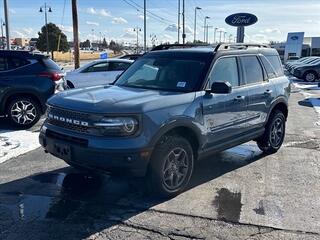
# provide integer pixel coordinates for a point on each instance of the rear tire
(23, 112)
(171, 166)
(272, 139)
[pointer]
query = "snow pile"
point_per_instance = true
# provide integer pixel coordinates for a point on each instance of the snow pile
(15, 143)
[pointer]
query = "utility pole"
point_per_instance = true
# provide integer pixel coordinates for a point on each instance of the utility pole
(207, 35)
(183, 23)
(215, 35)
(145, 25)
(195, 23)
(75, 34)
(6, 15)
(137, 29)
(205, 28)
(179, 21)
(2, 37)
(220, 38)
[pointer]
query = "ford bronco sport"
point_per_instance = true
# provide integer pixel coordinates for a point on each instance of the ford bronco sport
(169, 109)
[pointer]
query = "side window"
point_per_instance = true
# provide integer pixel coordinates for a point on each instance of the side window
(225, 69)
(252, 69)
(276, 64)
(99, 67)
(17, 62)
(269, 69)
(118, 66)
(3, 64)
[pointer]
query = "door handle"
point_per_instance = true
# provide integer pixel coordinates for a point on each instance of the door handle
(239, 98)
(268, 92)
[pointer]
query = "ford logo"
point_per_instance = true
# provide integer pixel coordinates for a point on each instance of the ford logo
(241, 19)
(294, 38)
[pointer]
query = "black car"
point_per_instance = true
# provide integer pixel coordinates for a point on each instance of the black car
(27, 80)
(309, 72)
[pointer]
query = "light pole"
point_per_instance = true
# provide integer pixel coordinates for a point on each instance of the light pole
(183, 22)
(2, 37)
(230, 38)
(220, 37)
(195, 23)
(205, 28)
(215, 35)
(137, 29)
(6, 15)
(179, 21)
(224, 37)
(46, 9)
(145, 25)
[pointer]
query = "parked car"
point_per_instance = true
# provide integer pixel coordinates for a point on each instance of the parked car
(98, 72)
(308, 72)
(27, 80)
(309, 60)
(131, 56)
(170, 109)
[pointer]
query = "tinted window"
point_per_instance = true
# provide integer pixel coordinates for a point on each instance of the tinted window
(99, 67)
(269, 69)
(118, 66)
(163, 73)
(225, 69)
(252, 69)
(17, 62)
(50, 64)
(276, 64)
(3, 64)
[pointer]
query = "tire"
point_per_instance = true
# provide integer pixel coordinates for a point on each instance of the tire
(310, 76)
(173, 156)
(273, 137)
(23, 112)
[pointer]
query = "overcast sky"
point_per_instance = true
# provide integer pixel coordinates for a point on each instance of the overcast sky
(115, 19)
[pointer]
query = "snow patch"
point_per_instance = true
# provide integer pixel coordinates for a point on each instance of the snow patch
(16, 143)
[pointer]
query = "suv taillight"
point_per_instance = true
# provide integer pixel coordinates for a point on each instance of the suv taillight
(53, 76)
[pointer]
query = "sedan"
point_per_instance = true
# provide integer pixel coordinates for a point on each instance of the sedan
(98, 72)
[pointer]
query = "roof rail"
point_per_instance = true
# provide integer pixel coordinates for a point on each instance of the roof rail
(239, 46)
(176, 46)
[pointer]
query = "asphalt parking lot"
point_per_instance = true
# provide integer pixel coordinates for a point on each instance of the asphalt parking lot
(237, 194)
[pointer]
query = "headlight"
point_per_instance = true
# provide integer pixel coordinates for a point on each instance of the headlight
(118, 126)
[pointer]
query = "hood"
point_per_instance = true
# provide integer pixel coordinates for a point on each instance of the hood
(116, 99)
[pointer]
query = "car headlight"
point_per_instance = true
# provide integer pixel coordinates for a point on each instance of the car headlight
(118, 126)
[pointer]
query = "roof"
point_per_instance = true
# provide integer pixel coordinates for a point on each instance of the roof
(21, 53)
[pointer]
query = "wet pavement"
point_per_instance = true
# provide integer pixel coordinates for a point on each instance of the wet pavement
(236, 194)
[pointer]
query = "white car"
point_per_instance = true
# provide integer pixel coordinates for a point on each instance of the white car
(98, 72)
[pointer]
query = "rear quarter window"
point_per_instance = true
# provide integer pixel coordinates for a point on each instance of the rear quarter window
(50, 64)
(276, 64)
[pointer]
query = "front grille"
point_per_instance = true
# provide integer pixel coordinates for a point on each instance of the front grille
(71, 115)
(78, 141)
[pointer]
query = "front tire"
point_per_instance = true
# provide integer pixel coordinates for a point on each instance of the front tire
(171, 166)
(23, 112)
(273, 136)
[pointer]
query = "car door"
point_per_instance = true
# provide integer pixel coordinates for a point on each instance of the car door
(225, 114)
(4, 78)
(93, 75)
(260, 90)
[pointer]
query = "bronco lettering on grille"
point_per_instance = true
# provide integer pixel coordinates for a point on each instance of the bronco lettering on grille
(68, 120)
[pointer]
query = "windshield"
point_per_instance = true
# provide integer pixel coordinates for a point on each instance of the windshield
(163, 74)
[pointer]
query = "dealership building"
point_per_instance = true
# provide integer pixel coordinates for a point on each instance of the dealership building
(298, 45)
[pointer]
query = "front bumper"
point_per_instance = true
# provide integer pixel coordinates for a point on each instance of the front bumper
(95, 153)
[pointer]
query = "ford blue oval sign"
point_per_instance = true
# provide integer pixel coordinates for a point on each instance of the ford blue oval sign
(241, 19)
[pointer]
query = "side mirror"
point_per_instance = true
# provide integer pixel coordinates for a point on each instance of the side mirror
(221, 88)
